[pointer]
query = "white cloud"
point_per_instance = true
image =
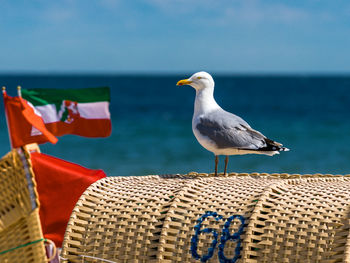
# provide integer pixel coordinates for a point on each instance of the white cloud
(182, 7)
(226, 12)
(58, 14)
(254, 12)
(286, 13)
(110, 4)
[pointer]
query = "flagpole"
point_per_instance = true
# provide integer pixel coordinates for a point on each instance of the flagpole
(21, 150)
(19, 91)
(7, 122)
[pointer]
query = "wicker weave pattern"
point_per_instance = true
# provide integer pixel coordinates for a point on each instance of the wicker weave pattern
(14, 201)
(19, 223)
(288, 218)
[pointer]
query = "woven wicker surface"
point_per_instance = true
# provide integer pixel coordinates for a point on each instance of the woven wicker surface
(198, 217)
(19, 217)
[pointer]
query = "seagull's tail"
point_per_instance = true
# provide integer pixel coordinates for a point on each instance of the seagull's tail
(274, 146)
(284, 149)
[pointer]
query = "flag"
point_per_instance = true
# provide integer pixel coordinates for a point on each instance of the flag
(59, 185)
(83, 112)
(22, 120)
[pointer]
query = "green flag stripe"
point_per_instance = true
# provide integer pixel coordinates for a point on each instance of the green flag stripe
(39, 97)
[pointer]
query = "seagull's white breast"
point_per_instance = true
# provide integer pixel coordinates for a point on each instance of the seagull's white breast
(205, 141)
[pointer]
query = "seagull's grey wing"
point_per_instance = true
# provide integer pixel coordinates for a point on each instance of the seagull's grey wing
(230, 131)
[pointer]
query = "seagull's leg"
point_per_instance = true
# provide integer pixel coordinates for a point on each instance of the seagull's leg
(226, 162)
(216, 165)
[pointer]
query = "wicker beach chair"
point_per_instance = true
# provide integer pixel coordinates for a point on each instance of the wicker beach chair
(201, 218)
(21, 238)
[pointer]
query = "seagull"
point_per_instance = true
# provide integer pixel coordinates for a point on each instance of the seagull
(222, 132)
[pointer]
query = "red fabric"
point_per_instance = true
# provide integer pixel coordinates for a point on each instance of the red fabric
(21, 119)
(82, 127)
(59, 185)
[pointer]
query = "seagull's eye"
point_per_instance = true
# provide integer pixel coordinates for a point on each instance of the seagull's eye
(199, 77)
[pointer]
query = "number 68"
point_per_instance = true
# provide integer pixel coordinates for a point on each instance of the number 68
(225, 236)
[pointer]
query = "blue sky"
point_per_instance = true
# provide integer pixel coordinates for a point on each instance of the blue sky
(176, 36)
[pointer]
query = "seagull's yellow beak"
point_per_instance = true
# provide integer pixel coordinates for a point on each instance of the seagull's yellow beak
(183, 82)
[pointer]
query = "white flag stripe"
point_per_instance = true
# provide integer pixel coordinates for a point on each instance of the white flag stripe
(91, 110)
(48, 113)
(94, 110)
(35, 132)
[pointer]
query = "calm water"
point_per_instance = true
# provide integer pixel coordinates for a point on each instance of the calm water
(152, 131)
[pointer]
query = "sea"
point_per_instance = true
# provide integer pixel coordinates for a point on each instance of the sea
(152, 131)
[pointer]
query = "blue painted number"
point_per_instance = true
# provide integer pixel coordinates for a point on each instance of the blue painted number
(197, 229)
(226, 236)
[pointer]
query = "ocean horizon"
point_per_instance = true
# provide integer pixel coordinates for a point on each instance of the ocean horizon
(152, 133)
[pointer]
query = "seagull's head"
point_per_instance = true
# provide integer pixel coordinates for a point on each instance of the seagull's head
(200, 80)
